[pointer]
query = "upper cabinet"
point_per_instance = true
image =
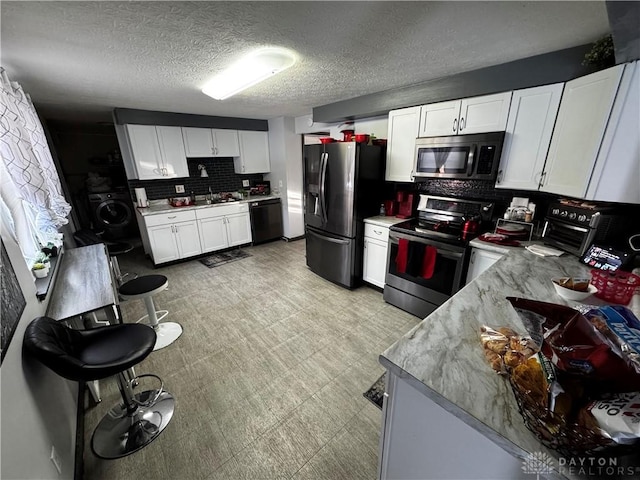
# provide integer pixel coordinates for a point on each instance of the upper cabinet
(470, 115)
(401, 144)
(584, 112)
(208, 142)
(528, 135)
(156, 152)
(254, 153)
(616, 175)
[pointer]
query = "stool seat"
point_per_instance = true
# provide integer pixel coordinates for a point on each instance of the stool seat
(88, 354)
(118, 248)
(143, 286)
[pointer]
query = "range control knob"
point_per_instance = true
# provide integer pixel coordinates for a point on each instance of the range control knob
(572, 216)
(555, 211)
(564, 213)
(582, 218)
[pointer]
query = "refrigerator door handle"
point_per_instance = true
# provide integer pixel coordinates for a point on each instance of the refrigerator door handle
(323, 178)
(328, 239)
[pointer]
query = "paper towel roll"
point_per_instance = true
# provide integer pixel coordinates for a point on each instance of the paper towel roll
(141, 197)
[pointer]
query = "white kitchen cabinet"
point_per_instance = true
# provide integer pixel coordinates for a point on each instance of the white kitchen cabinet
(401, 144)
(254, 152)
(487, 113)
(224, 226)
(374, 267)
(174, 241)
(210, 142)
(584, 112)
(616, 176)
(158, 152)
(532, 116)
(481, 260)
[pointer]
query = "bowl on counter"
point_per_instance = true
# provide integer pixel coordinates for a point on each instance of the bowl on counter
(361, 138)
(326, 140)
(571, 294)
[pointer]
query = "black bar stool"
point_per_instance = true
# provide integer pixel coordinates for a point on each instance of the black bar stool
(84, 355)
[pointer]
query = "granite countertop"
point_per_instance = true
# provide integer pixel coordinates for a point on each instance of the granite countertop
(384, 221)
(443, 358)
(162, 206)
(497, 248)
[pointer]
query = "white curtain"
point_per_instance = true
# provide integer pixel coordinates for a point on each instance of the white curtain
(29, 183)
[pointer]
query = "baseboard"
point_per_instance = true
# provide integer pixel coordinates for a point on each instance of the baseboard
(287, 239)
(78, 468)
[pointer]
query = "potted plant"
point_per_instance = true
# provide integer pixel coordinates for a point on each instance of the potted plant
(40, 270)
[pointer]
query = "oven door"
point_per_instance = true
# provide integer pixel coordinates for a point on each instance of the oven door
(567, 237)
(447, 273)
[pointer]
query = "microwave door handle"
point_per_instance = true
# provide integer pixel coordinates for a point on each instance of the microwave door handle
(472, 158)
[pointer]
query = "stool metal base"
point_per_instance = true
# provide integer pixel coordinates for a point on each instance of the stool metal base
(121, 433)
(166, 334)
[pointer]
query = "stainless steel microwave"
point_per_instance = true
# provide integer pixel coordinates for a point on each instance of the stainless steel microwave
(461, 157)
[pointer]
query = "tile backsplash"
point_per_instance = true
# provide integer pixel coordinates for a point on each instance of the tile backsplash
(222, 178)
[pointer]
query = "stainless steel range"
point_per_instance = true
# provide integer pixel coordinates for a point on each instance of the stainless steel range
(427, 257)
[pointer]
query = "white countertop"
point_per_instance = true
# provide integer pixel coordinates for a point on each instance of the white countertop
(385, 221)
(162, 206)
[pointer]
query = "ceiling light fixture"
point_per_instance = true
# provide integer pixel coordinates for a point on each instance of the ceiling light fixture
(249, 70)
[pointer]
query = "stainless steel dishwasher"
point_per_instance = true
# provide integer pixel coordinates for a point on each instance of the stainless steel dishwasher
(266, 220)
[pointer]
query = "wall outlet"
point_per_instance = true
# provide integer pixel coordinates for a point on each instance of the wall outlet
(245, 183)
(179, 188)
(55, 458)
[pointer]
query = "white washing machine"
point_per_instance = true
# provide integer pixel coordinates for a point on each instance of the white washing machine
(112, 212)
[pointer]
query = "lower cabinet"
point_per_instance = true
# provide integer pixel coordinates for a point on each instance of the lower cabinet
(224, 226)
(174, 241)
(481, 260)
(374, 265)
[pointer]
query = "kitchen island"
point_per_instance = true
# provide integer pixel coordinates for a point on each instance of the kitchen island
(447, 414)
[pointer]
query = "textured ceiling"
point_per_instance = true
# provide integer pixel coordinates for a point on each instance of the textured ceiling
(81, 59)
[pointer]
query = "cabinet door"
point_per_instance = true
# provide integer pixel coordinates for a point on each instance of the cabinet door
(172, 151)
(439, 119)
(225, 143)
(163, 243)
(374, 267)
(146, 151)
(480, 261)
(532, 115)
(401, 149)
(213, 234)
(616, 175)
(584, 111)
(187, 239)
(238, 229)
(484, 114)
(254, 152)
(198, 142)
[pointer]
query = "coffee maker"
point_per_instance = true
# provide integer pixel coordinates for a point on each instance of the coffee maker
(405, 201)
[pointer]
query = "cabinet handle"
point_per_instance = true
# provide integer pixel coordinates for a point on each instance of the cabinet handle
(461, 123)
(172, 216)
(499, 179)
(412, 176)
(377, 232)
(543, 178)
(455, 125)
(215, 150)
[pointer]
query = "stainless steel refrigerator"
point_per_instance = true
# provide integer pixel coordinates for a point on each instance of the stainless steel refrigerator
(343, 186)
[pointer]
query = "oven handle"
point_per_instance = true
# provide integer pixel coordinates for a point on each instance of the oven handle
(442, 248)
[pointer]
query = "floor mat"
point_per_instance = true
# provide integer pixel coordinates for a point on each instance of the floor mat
(222, 258)
(376, 392)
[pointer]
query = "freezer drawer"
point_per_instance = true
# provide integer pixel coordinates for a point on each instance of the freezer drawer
(332, 257)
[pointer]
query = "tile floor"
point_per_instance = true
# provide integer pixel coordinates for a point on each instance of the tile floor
(268, 375)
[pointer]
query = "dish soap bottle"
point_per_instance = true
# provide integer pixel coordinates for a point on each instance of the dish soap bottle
(193, 197)
(382, 210)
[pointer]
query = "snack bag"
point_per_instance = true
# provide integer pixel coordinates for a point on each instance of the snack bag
(618, 417)
(576, 346)
(504, 348)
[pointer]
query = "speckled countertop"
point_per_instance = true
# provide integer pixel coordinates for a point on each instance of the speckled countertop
(443, 358)
(162, 206)
(384, 221)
